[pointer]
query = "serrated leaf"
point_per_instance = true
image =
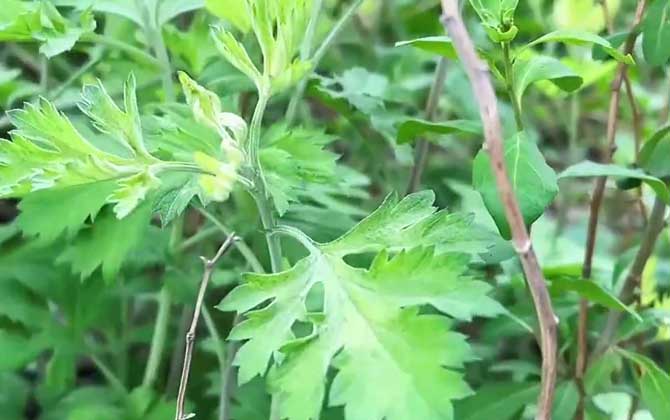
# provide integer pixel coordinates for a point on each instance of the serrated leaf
(593, 169)
(533, 181)
(107, 243)
(576, 37)
(180, 44)
(654, 384)
(122, 125)
(539, 67)
(293, 161)
(431, 275)
(25, 21)
(45, 213)
(653, 156)
(392, 361)
(362, 89)
(236, 54)
(413, 128)
(410, 222)
(171, 203)
(440, 45)
(656, 33)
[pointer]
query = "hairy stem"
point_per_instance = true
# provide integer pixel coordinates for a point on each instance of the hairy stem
(260, 193)
(479, 75)
(596, 203)
(209, 266)
(423, 146)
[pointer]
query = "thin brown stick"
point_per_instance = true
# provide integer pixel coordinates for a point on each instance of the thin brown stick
(654, 228)
(479, 75)
(423, 146)
(637, 134)
(209, 265)
(596, 203)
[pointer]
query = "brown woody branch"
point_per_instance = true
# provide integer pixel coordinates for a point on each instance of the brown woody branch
(478, 73)
(597, 198)
(209, 265)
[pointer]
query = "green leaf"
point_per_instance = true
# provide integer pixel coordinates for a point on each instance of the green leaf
(653, 156)
(593, 169)
(495, 13)
(24, 21)
(440, 45)
(565, 401)
(233, 11)
(533, 181)
(487, 403)
(584, 15)
(363, 89)
(576, 37)
(591, 291)
(294, 160)
(107, 243)
(410, 222)
(180, 44)
(539, 67)
(122, 125)
(171, 203)
(17, 351)
(656, 33)
(45, 213)
(236, 54)
(392, 361)
(413, 128)
(654, 384)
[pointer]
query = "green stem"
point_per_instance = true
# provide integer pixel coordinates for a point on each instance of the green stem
(509, 82)
(96, 55)
(155, 39)
(260, 193)
(109, 375)
(131, 50)
(158, 339)
(292, 109)
(305, 51)
(44, 75)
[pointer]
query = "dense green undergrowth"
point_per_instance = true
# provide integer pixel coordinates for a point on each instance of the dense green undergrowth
(376, 272)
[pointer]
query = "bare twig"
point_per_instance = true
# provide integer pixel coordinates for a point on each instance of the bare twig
(654, 229)
(209, 265)
(423, 146)
(596, 202)
(479, 76)
(637, 134)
